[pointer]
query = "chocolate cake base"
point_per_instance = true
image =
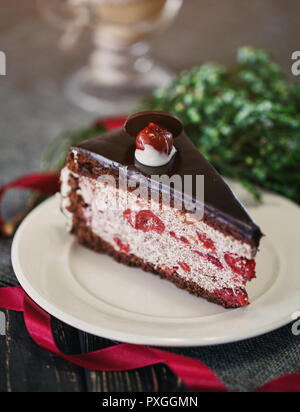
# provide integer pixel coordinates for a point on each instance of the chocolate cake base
(87, 238)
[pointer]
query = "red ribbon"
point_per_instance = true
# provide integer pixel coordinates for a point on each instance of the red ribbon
(43, 183)
(193, 373)
(112, 122)
(286, 383)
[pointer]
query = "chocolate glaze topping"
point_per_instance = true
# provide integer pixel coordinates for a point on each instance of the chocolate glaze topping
(116, 149)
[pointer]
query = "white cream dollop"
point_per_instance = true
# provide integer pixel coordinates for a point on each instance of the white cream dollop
(152, 157)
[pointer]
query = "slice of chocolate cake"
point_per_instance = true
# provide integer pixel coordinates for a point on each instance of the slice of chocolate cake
(121, 196)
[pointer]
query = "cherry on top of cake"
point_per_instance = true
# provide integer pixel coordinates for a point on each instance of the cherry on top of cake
(156, 136)
(154, 146)
(117, 148)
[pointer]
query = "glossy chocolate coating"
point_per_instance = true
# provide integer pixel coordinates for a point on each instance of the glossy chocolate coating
(223, 210)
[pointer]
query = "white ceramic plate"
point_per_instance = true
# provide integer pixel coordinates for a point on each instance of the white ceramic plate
(97, 295)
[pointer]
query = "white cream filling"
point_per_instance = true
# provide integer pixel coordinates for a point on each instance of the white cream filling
(152, 157)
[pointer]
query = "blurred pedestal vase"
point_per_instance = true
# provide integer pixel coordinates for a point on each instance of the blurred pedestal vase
(120, 70)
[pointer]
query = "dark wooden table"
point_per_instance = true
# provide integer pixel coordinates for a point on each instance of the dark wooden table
(33, 111)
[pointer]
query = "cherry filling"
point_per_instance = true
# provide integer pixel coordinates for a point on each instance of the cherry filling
(145, 220)
(123, 246)
(128, 216)
(206, 241)
(156, 136)
(241, 266)
(184, 266)
(212, 259)
(181, 238)
(237, 297)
